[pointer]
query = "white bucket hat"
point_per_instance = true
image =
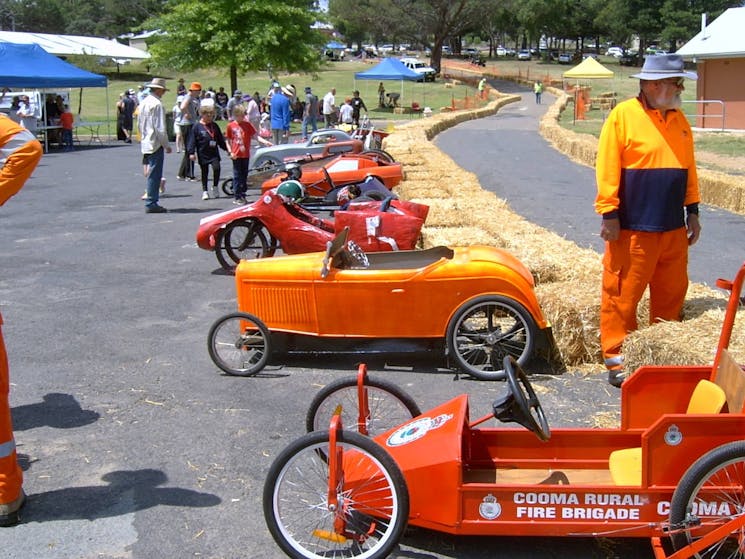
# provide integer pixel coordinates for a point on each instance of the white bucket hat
(661, 66)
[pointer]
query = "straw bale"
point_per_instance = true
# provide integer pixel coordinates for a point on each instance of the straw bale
(572, 310)
(691, 342)
(722, 190)
(455, 236)
(458, 211)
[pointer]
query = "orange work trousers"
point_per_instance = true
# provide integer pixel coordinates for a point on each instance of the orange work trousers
(11, 477)
(636, 260)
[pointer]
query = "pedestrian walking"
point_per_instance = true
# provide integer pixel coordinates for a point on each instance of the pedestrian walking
(151, 123)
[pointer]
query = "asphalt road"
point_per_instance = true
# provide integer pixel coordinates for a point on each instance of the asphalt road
(134, 445)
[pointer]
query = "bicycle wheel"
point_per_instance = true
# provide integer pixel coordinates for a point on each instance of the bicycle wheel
(245, 239)
(388, 406)
(373, 502)
(484, 331)
(227, 187)
(380, 154)
(239, 343)
(711, 493)
(221, 254)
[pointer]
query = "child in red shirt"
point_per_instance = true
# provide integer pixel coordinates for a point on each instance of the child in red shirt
(66, 121)
(238, 135)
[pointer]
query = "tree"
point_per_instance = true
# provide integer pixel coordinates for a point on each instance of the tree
(250, 35)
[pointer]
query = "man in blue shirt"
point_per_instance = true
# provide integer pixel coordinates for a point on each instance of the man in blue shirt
(279, 109)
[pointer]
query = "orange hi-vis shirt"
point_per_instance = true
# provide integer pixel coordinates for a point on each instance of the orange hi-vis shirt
(20, 151)
(646, 170)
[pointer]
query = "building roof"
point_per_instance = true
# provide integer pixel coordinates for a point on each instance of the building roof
(73, 44)
(723, 38)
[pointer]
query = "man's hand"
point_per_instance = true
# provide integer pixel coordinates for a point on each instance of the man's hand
(168, 149)
(610, 229)
(694, 228)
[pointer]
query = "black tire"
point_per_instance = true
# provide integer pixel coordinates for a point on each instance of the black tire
(227, 187)
(381, 154)
(245, 239)
(240, 344)
(221, 254)
(389, 406)
(724, 467)
(486, 330)
(304, 527)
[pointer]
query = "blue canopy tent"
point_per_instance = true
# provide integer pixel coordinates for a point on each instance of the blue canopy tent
(30, 66)
(391, 69)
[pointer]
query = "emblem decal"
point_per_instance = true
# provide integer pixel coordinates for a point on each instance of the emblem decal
(673, 437)
(416, 429)
(490, 507)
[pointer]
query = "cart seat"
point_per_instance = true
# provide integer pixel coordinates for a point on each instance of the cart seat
(626, 464)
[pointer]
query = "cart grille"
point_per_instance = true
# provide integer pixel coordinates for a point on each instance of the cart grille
(281, 307)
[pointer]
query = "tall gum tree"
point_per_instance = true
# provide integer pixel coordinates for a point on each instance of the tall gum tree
(243, 36)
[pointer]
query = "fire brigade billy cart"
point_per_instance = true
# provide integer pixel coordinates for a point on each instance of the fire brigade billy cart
(674, 471)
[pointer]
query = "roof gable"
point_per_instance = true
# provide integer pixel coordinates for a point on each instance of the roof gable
(723, 38)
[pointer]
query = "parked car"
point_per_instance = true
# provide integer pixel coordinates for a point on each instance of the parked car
(565, 58)
(426, 72)
(629, 59)
(501, 51)
(616, 52)
(524, 55)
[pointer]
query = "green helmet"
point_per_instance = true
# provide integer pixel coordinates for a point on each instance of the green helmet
(291, 190)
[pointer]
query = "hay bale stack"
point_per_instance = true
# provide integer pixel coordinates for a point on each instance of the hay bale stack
(718, 189)
(691, 342)
(572, 310)
(456, 236)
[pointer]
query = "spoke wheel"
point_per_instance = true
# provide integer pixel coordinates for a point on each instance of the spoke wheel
(240, 344)
(485, 331)
(373, 502)
(711, 493)
(388, 406)
(221, 254)
(246, 239)
(380, 154)
(227, 187)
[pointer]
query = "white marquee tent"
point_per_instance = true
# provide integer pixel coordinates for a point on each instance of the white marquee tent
(62, 45)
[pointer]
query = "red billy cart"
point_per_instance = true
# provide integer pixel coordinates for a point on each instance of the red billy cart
(673, 472)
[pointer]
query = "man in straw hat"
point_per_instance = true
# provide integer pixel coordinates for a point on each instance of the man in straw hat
(648, 197)
(152, 125)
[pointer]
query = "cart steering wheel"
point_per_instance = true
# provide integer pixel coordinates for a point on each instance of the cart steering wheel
(529, 412)
(356, 252)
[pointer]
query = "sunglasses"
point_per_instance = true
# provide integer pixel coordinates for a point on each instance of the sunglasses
(677, 82)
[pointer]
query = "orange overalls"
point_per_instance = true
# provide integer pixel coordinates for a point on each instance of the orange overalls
(19, 154)
(646, 176)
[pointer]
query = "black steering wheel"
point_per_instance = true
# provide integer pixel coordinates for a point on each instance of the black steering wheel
(529, 412)
(358, 254)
